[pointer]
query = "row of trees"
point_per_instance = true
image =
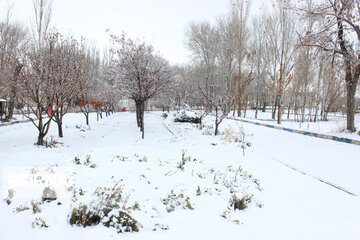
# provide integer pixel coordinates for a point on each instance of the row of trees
(44, 73)
(300, 56)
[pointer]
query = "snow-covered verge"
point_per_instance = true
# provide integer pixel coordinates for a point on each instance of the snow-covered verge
(335, 126)
(178, 183)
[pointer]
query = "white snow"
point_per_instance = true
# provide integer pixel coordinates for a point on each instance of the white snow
(294, 205)
(335, 126)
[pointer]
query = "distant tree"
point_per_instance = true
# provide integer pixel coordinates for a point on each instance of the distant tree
(280, 40)
(41, 20)
(67, 63)
(141, 74)
(89, 82)
(12, 39)
(337, 30)
(259, 63)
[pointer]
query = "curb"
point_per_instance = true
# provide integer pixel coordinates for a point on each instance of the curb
(306, 133)
(14, 122)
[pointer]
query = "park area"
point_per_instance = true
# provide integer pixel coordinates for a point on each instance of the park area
(104, 181)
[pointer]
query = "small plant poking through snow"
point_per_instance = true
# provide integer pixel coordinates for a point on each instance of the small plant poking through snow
(198, 191)
(52, 143)
(40, 223)
(109, 208)
(87, 161)
(21, 208)
(10, 196)
(122, 158)
(232, 135)
(35, 207)
(82, 127)
(240, 203)
(173, 201)
(159, 226)
(207, 130)
(77, 161)
(184, 160)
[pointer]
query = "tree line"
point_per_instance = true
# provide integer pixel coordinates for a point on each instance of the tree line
(44, 73)
(299, 58)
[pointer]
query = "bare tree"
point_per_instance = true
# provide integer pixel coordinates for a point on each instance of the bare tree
(259, 62)
(337, 31)
(37, 86)
(281, 43)
(42, 18)
(67, 64)
(89, 81)
(12, 38)
(140, 72)
(238, 18)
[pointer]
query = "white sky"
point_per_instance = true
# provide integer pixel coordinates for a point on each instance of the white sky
(160, 22)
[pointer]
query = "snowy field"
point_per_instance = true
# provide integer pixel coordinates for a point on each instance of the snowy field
(178, 183)
(335, 126)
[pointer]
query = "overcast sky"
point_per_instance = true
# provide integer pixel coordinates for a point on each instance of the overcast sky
(160, 22)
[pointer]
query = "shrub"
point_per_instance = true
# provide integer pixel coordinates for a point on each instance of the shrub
(164, 115)
(173, 201)
(109, 208)
(183, 118)
(82, 217)
(49, 194)
(240, 203)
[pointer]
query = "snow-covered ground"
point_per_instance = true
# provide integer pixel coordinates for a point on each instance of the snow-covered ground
(335, 126)
(285, 203)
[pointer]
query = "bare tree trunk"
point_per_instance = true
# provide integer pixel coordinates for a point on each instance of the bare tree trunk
(60, 129)
(40, 140)
(13, 92)
(239, 108)
(216, 122)
(264, 106)
(137, 106)
(140, 112)
(87, 118)
(43, 130)
(274, 108)
(11, 106)
(288, 113)
(350, 109)
(257, 103)
(279, 111)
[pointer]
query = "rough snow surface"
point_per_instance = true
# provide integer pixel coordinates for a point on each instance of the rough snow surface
(285, 203)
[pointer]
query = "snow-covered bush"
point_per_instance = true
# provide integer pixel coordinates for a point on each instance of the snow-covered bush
(187, 117)
(109, 208)
(49, 194)
(164, 115)
(173, 201)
